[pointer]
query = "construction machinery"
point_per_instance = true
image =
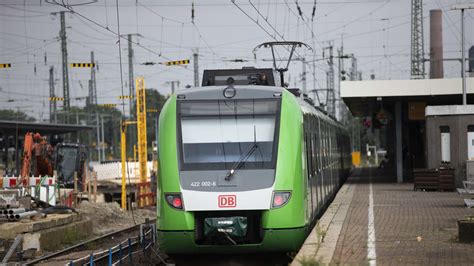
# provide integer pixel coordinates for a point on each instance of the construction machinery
(40, 158)
(37, 156)
(70, 160)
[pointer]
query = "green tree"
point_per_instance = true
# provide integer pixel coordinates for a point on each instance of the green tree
(88, 116)
(154, 103)
(6, 114)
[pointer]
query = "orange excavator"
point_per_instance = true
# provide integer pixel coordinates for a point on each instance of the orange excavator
(37, 156)
(40, 159)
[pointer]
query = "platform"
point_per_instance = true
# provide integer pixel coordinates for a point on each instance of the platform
(409, 227)
(46, 234)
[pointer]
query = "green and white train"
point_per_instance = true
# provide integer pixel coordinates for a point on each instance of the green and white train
(245, 166)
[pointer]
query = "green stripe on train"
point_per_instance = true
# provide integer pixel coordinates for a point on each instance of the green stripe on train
(168, 218)
(289, 169)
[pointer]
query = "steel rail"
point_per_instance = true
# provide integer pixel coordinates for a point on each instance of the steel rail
(85, 243)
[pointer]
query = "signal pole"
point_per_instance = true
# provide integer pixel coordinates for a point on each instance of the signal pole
(303, 75)
(52, 104)
(354, 71)
(196, 68)
(92, 83)
(62, 34)
(131, 81)
(97, 136)
(330, 92)
(173, 85)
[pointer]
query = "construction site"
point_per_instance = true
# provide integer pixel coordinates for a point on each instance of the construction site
(55, 196)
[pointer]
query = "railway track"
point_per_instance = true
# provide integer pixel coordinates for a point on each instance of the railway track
(120, 243)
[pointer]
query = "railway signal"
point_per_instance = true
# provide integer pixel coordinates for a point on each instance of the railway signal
(88, 65)
(55, 99)
(178, 62)
(343, 75)
(125, 97)
(108, 105)
(7, 65)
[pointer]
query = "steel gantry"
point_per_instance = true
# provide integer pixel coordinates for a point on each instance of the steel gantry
(417, 44)
(141, 139)
(144, 191)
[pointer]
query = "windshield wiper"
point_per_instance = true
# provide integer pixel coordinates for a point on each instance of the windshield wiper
(241, 162)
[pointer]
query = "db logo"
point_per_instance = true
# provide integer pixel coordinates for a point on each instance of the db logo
(227, 201)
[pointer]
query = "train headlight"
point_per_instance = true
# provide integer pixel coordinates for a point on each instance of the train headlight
(280, 198)
(229, 92)
(174, 200)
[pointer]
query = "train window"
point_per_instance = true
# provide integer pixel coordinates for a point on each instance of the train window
(228, 107)
(217, 134)
(325, 146)
(315, 150)
(308, 155)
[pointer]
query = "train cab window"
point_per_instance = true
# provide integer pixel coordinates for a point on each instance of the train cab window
(217, 134)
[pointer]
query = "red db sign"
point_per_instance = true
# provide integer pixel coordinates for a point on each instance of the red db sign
(227, 201)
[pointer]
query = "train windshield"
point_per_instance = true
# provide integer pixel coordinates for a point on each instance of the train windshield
(217, 134)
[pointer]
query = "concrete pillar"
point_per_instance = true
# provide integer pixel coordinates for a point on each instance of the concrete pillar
(398, 141)
(436, 44)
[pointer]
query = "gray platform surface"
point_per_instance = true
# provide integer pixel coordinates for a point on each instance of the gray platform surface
(411, 227)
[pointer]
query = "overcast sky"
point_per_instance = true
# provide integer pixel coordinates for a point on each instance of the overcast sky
(376, 32)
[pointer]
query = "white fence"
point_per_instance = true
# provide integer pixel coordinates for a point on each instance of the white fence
(113, 170)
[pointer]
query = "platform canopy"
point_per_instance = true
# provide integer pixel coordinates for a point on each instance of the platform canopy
(361, 95)
(21, 127)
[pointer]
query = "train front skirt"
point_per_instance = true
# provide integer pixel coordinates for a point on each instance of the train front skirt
(274, 240)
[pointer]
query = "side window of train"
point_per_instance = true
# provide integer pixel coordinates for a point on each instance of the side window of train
(313, 152)
(313, 145)
(315, 148)
(328, 143)
(318, 151)
(310, 152)
(307, 147)
(323, 138)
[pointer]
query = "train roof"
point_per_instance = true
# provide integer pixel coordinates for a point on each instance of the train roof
(308, 106)
(243, 76)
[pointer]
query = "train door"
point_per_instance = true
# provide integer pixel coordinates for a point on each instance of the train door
(340, 158)
(336, 159)
(316, 163)
(320, 164)
(325, 160)
(313, 167)
(307, 141)
(331, 150)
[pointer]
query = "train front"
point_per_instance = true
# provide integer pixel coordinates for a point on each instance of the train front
(230, 171)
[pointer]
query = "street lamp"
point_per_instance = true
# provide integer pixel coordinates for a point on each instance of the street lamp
(462, 7)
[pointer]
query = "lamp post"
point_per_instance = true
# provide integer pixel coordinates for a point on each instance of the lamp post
(462, 7)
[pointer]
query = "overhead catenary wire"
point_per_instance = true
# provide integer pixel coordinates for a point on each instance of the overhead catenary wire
(69, 8)
(252, 19)
(181, 23)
